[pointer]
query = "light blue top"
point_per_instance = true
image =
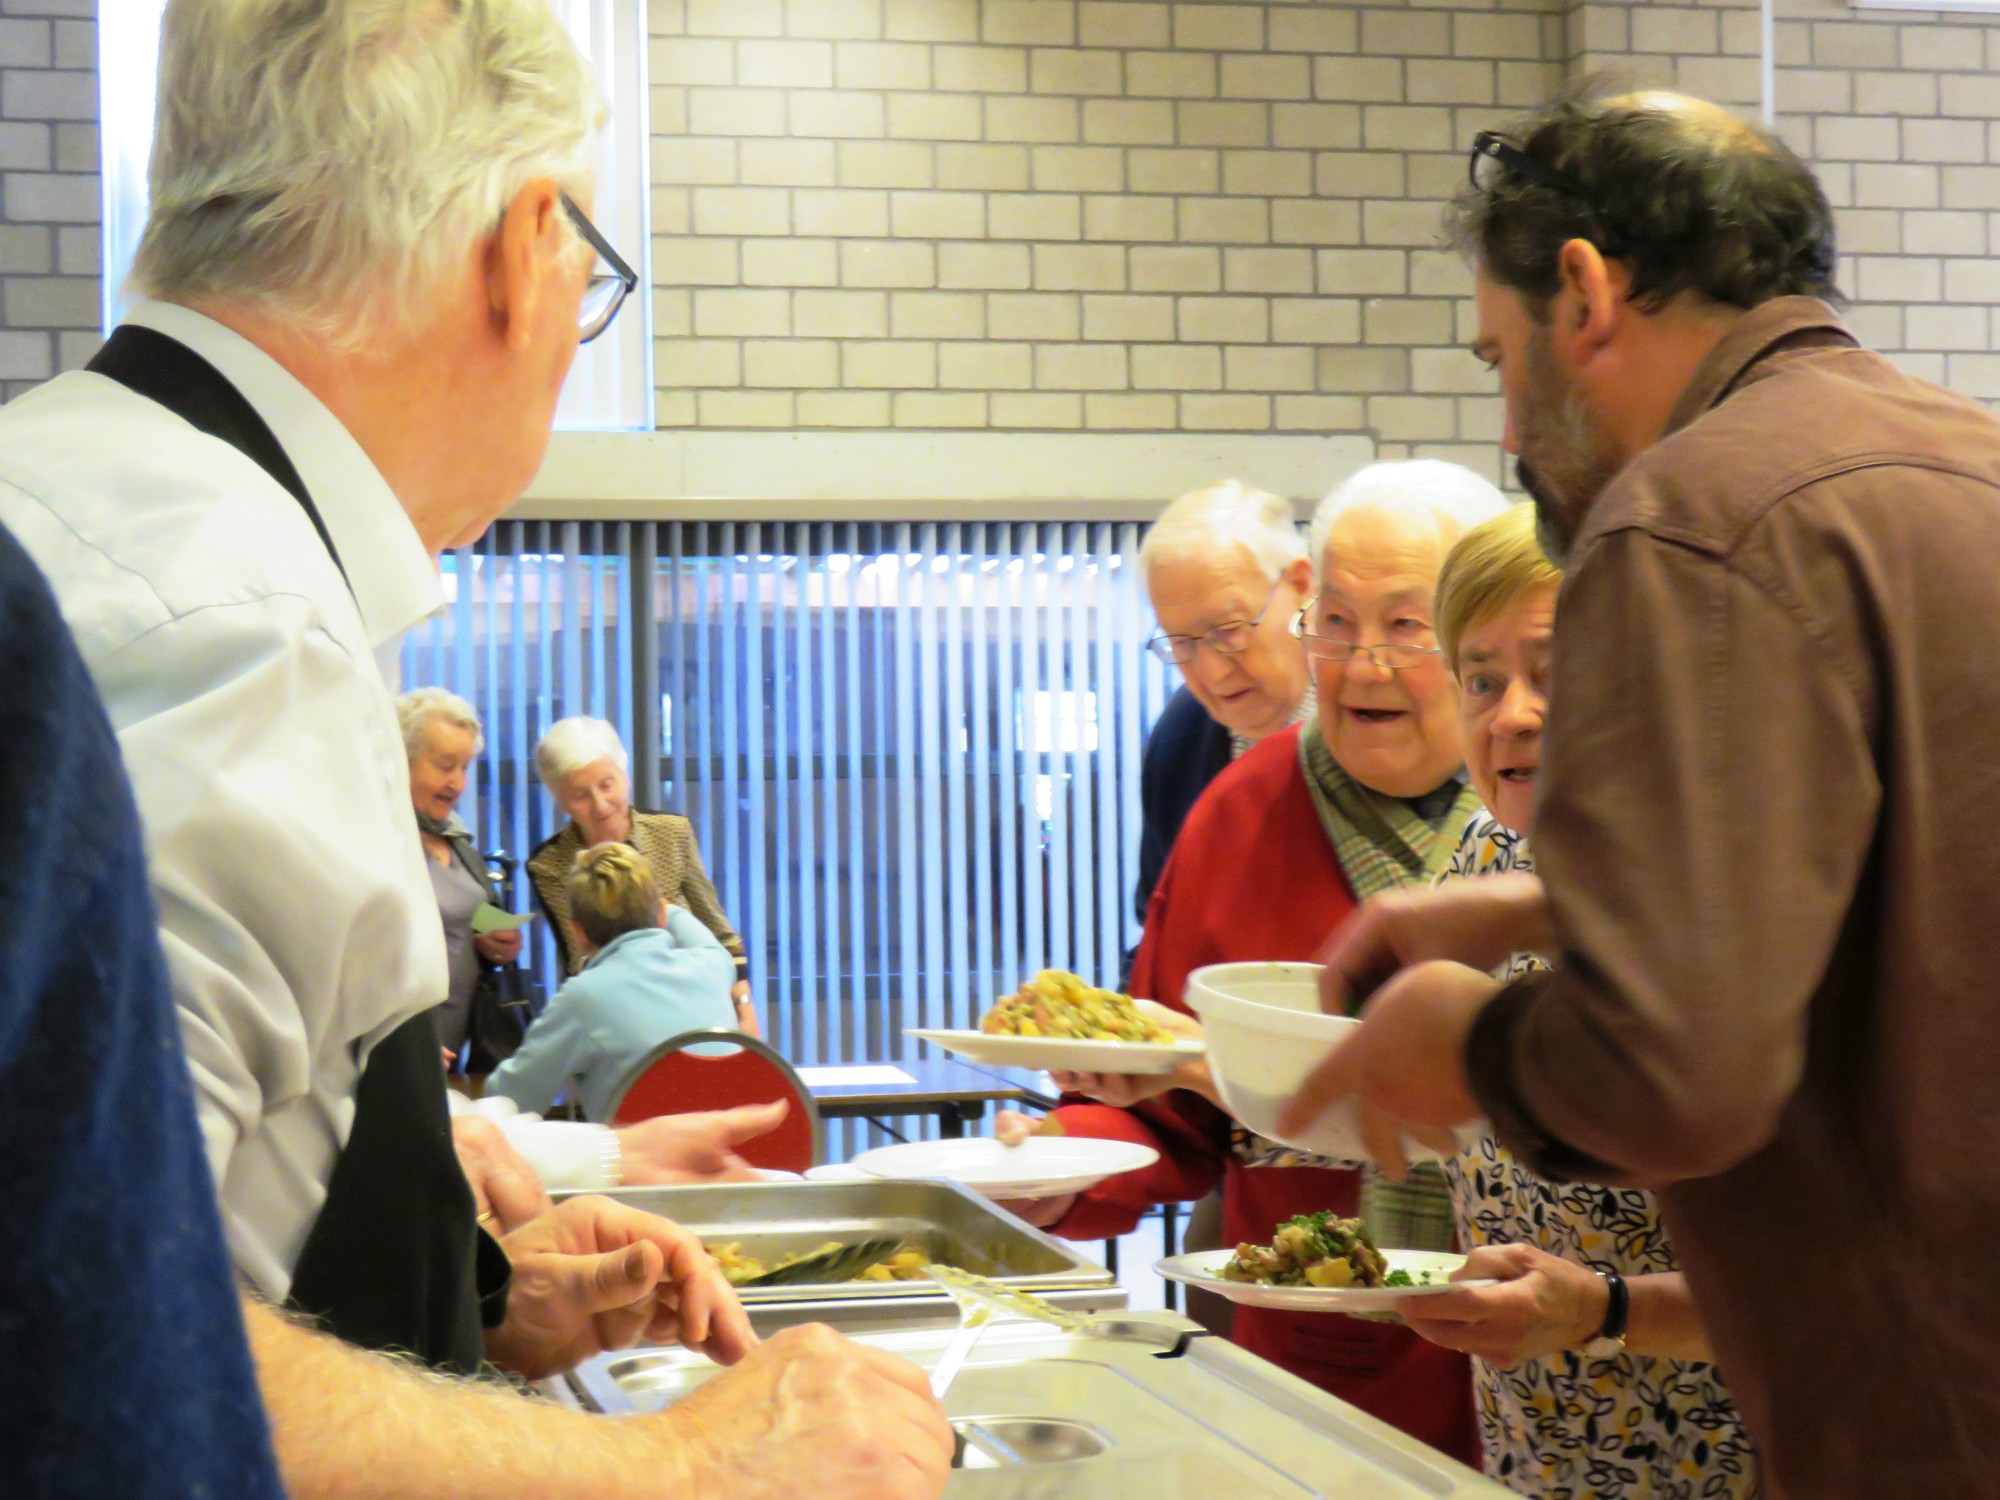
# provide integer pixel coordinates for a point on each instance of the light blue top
(636, 991)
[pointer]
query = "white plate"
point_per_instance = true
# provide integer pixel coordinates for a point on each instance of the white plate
(1203, 1268)
(837, 1171)
(1043, 1166)
(1061, 1054)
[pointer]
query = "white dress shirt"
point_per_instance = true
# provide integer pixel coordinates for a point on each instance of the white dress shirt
(252, 695)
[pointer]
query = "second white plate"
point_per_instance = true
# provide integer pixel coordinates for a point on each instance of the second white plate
(1043, 1166)
(1203, 1268)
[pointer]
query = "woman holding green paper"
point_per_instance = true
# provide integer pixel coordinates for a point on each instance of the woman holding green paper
(442, 737)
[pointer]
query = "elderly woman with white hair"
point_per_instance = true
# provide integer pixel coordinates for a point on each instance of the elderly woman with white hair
(583, 763)
(442, 737)
(1367, 794)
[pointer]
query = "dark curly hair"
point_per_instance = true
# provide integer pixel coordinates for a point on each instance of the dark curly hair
(1690, 199)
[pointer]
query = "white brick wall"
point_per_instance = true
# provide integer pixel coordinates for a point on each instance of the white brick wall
(1133, 215)
(1901, 114)
(50, 243)
(1033, 214)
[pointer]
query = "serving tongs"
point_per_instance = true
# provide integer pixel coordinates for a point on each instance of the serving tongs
(834, 1264)
(982, 1302)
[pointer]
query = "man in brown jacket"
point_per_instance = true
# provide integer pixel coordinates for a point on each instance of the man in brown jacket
(1775, 740)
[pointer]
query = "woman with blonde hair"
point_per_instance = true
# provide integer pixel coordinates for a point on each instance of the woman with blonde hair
(650, 972)
(1591, 1368)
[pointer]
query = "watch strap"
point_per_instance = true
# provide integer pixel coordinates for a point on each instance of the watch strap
(1617, 1307)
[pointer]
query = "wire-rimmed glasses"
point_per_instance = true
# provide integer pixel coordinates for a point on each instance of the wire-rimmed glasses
(1398, 657)
(1230, 638)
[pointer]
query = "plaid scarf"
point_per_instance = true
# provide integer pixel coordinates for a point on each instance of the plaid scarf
(1382, 843)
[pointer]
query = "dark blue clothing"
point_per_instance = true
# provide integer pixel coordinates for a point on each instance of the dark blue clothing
(123, 1366)
(1184, 753)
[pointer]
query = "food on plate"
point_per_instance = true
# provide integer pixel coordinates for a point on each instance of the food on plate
(1404, 1278)
(1060, 1005)
(1321, 1249)
(737, 1268)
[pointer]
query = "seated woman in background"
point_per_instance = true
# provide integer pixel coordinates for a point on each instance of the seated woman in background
(441, 736)
(1561, 1408)
(583, 764)
(650, 972)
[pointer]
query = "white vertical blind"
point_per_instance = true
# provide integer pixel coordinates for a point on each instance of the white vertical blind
(910, 751)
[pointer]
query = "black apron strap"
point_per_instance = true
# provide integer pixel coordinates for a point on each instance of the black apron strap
(395, 1259)
(165, 370)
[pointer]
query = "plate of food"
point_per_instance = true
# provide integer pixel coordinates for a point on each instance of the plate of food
(1058, 1023)
(1318, 1263)
(1043, 1166)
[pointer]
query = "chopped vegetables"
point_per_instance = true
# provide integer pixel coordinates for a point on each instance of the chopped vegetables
(1321, 1250)
(1058, 1004)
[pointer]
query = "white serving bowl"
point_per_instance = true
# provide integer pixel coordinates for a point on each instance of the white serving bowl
(1265, 1033)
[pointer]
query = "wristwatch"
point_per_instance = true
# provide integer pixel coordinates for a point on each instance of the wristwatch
(1610, 1338)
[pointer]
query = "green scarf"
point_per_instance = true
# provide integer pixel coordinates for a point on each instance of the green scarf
(1381, 844)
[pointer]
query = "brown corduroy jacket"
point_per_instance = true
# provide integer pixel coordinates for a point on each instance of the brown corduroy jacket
(1773, 751)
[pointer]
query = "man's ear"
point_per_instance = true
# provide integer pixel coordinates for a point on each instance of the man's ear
(1590, 301)
(1299, 574)
(521, 257)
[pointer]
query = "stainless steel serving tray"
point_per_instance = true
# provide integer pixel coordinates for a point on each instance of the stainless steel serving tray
(947, 1222)
(1135, 1409)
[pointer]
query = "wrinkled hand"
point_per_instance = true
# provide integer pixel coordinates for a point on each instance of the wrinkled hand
(809, 1413)
(1123, 1090)
(1479, 923)
(1407, 1057)
(592, 1275)
(1010, 1128)
(499, 947)
(1542, 1305)
(503, 1184)
(696, 1147)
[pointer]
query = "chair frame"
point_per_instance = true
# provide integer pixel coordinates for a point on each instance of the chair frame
(724, 1036)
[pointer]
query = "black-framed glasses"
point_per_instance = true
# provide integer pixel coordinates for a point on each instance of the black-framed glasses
(1395, 658)
(1230, 638)
(606, 291)
(1493, 154)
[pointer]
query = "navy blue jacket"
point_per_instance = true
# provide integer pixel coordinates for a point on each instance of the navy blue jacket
(123, 1366)
(1184, 753)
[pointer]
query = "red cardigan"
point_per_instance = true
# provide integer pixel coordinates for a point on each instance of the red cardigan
(1252, 876)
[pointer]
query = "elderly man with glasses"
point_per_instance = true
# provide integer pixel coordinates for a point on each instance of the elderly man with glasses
(1226, 570)
(368, 272)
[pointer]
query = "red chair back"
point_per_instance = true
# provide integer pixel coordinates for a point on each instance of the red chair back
(674, 1081)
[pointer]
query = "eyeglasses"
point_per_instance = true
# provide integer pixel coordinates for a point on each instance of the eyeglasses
(1230, 638)
(606, 291)
(1395, 658)
(1494, 156)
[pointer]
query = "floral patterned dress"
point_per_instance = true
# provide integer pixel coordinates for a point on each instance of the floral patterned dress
(1569, 1427)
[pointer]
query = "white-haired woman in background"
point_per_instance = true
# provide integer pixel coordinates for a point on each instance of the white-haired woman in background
(442, 737)
(583, 763)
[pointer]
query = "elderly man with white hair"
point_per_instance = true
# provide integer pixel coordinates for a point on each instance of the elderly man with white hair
(368, 267)
(584, 766)
(1367, 794)
(1227, 572)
